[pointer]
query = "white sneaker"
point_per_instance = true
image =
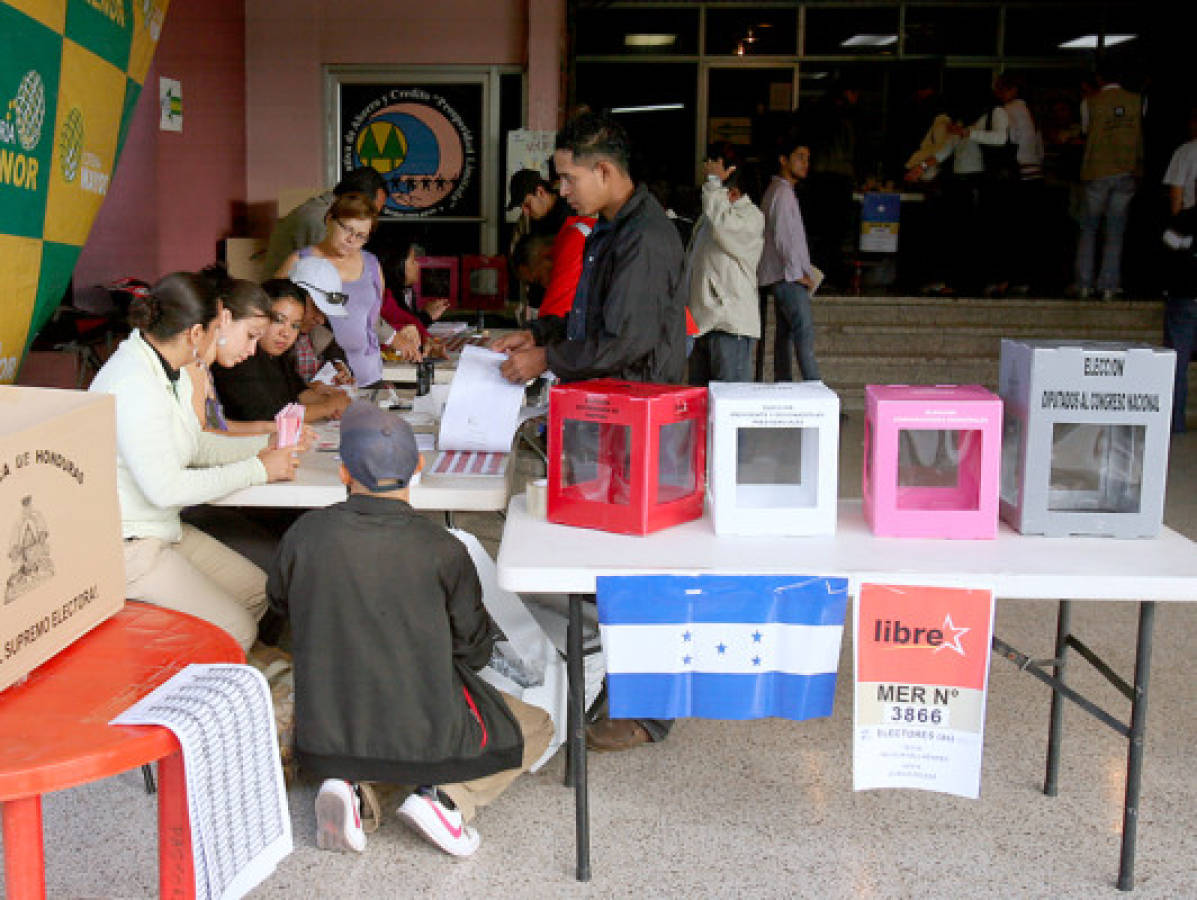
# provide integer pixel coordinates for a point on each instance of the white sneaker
(339, 817)
(439, 821)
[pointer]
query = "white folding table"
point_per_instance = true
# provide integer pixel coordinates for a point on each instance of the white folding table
(536, 556)
(317, 483)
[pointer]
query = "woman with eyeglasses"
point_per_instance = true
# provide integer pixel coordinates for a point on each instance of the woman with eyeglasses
(255, 389)
(350, 221)
(166, 461)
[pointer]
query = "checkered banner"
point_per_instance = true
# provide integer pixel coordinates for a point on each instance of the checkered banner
(70, 75)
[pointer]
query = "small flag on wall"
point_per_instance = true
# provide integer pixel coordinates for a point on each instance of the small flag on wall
(721, 647)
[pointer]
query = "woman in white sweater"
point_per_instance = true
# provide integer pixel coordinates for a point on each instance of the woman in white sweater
(165, 461)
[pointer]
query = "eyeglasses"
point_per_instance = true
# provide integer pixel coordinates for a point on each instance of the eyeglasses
(335, 297)
(355, 237)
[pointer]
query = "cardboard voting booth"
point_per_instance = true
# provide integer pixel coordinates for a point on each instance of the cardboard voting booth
(1085, 439)
(626, 457)
(60, 520)
(931, 461)
(774, 465)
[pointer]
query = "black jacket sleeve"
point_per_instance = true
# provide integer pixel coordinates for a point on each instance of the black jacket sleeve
(472, 629)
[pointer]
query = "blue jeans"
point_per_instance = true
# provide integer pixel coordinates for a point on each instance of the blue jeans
(1180, 333)
(793, 311)
(1107, 198)
(720, 356)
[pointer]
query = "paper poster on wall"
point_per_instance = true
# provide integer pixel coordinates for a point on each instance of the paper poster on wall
(424, 139)
(170, 102)
(527, 149)
(922, 675)
(880, 216)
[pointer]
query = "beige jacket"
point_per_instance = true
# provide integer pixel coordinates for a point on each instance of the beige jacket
(721, 264)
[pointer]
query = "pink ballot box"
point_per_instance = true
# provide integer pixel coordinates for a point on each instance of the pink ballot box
(626, 457)
(931, 461)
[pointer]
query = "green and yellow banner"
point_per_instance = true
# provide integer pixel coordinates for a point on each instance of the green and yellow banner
(70, 75)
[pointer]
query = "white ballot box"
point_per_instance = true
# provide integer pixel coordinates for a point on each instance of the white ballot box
(773, 458)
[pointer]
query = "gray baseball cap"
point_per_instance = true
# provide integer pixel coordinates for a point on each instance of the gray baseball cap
(321, 280)
(377, 447)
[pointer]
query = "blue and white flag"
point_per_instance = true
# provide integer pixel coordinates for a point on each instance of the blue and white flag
(721, 646)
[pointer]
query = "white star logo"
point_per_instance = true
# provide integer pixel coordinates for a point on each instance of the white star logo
(957, 634)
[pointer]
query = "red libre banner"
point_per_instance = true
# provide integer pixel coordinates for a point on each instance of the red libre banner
(923, 635)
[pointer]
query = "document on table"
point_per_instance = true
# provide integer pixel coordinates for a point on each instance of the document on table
(482, 412)
(236, 798)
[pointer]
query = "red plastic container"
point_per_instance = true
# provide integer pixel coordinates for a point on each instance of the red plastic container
(626, 457)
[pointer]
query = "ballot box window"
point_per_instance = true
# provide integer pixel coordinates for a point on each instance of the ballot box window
(1096, 467)
(676, 477)
(596, 460)
(1012, 432)
(436, 282)
(939, 469)
(776, 467)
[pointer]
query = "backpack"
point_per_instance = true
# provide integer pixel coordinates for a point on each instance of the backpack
(1001, 160)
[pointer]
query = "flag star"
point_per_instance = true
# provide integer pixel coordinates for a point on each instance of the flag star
(686, 660)
(756, 637)
(756, 660)
(721, 647)
(686, 637)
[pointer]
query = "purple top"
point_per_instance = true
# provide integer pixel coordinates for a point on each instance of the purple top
(785, 256)
(355, 331)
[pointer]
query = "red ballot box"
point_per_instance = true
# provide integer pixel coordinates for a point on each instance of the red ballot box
(626, 457)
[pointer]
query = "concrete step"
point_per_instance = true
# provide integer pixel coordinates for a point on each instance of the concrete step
(890, 340)
(1062, 318)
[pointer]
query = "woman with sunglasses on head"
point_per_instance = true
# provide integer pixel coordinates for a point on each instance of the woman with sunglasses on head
(166, 461)
(256, 388)
(350, 222)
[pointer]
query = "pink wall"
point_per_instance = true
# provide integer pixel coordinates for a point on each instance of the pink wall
(288, 41)
(174, 196)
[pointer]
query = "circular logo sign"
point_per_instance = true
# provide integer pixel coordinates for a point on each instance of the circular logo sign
(421, 147)
(30, 107)
(70, 144)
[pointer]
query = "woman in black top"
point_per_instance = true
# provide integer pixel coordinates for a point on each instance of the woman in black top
(256, 389)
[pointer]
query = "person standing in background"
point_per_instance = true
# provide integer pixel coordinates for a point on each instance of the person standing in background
(785, 267)
(721, 268)
(1112, 119)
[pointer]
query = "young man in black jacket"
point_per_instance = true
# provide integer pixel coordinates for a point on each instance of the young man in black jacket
(628, 316)
(389, 633)
(628, 320)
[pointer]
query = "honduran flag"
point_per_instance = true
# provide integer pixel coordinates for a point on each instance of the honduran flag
(721, 646)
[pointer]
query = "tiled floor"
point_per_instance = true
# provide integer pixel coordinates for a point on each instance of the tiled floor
(767, 808)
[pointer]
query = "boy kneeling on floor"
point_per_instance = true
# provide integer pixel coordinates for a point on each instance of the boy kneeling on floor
(389, 633)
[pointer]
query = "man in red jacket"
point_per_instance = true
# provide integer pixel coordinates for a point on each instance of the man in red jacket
(550, 215)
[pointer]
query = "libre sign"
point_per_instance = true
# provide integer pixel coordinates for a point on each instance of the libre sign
(922, 672)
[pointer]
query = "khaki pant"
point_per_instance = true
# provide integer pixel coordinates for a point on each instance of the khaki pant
(201, 576)
(537, 727)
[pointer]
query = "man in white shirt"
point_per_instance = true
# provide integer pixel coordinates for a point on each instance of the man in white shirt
(1181, 176)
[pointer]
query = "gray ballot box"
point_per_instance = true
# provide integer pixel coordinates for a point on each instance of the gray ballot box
(1085, 437)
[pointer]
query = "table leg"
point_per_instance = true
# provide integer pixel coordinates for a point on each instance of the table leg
(1055, 730)
(576, 760)
(24, 857)
(1134, 755)
(176, 872)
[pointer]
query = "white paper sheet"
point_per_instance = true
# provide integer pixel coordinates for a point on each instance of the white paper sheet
(236, 798)
(482, 411)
